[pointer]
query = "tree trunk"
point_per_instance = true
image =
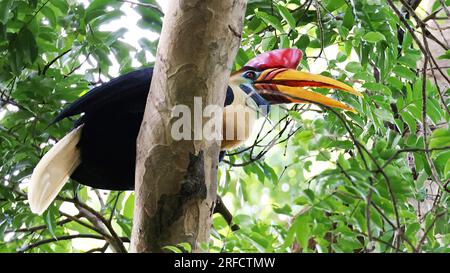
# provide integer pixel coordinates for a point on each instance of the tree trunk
(176, 181)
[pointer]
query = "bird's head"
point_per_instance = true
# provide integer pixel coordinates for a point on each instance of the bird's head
(273, 78)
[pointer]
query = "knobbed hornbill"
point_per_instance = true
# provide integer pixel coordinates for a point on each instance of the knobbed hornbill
(100, 151)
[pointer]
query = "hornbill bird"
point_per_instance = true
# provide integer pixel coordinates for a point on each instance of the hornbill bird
(100, 150)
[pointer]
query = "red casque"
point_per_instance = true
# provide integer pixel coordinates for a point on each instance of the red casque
(279, 58)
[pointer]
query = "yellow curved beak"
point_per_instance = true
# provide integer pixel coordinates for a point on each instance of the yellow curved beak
(287, 85)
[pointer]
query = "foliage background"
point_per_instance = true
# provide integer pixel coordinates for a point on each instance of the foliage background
(312, 180)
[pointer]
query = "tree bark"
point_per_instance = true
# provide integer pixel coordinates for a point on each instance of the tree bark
(176, 181)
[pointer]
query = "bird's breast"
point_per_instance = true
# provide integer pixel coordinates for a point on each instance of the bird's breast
(238, 123)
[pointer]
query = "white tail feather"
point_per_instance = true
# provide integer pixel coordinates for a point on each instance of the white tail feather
(53, 171)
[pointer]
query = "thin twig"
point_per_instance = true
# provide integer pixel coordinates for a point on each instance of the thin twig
(47, 66)
(407, 150)
(57, 239)
(422, 240)
(36, 228)
(145, 5)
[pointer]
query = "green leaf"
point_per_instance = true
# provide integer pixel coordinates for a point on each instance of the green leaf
(410, 60)
(348, 245)
(114, 36)
(349, 18)
(92, 14)
(341, 57)
(410, 120)
(348, 47)
(404, 72)
(445, 56)
(186, 246)
(62, 5)
(27, 45)
(97, 4)
(440, 138)
(295, 115)
(303, 42)
(125, 225)
(310, 194)
(374, 86)
(270, 173)
(374, 37)
(255, 25)
(285, 42)
(286, 14)
(50, 15)
(395, 82)
(353, 67)
(269, 43)
(172, 249)
(270, 20)
(96, 9)
(286, 210)
(302, 230)
(447, 170)
(50, 216)
(384, 115)
(129, 206)
(343, 162)
(434, 111)
(5, 6)
(332, 5)
(241, 57)
(106, 18)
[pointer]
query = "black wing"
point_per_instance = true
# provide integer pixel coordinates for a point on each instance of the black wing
(129, 87)
(113, 115)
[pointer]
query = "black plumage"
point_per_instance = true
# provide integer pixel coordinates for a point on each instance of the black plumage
(112, 116)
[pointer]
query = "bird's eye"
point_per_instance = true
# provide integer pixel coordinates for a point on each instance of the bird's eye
(250, 75)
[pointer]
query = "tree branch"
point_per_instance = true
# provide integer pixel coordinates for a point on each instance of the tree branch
(47, 66)
(61, 238)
